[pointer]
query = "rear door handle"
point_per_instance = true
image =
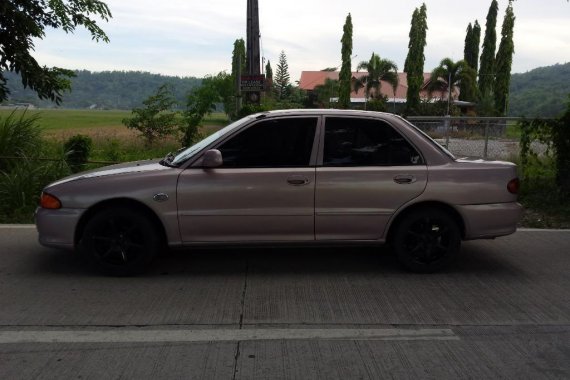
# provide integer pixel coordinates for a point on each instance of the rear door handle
(404, 179)
(297, 180)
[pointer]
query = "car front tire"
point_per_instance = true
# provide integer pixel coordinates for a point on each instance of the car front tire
(426, 240)
(120, 241)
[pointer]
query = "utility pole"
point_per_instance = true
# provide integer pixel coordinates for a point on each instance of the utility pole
(253, 84)
(252, 45)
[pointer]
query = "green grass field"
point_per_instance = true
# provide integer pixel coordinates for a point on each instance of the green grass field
(64, 119)
(51, 119)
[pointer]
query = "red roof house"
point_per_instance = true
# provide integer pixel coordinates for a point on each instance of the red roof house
(311, 79)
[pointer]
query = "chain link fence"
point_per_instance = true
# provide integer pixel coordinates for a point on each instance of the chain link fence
(485, 137)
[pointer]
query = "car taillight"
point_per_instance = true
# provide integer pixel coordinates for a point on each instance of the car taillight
(49, 201)
(513, 186)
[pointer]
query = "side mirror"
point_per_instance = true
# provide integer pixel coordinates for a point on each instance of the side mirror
(212, 159)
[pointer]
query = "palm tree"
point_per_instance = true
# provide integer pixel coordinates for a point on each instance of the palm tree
(378, 70)
(451, 74)
(326, 91)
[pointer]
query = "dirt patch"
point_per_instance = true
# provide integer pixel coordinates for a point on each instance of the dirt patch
(533, 218)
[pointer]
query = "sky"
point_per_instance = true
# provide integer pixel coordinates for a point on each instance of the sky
(195, 37)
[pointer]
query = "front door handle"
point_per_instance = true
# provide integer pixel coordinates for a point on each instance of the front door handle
(297, 180)
(404, 179)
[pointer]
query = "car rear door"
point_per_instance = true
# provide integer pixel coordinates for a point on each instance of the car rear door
(264, 191)
(366, 171)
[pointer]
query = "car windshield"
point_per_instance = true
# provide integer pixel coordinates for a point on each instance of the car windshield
(191, 151)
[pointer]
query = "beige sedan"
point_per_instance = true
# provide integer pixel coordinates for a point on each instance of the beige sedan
(286, 177)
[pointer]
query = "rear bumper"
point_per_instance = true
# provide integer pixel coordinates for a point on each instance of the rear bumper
(490, 220)
(56, 228)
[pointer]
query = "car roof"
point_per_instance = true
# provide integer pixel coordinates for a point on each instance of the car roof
(321, 111)
(327, 112)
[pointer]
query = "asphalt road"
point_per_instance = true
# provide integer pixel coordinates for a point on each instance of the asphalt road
(501, 311)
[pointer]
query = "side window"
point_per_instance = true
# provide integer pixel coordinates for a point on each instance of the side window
(271, 143)
(366, 142)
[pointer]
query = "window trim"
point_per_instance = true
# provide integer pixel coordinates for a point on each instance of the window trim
(320, 157)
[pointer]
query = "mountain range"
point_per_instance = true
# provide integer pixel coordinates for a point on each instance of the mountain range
(542, 92)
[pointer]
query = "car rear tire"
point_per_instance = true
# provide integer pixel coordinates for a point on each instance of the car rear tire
(120, 241)
(426, 240)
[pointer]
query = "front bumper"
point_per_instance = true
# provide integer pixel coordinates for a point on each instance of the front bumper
(56, 228)
(490, 220)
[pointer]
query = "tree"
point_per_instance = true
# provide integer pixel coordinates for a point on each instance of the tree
(504, 61)
(238, 68)
(238, 58)
(414, 65)
(25, 20)
(156, 119)
(281, 82)
(451, 74)
(378, 70)
(324, 92)
(561, 142)
(468, 90)
(487, 67)
(201, 102)
(471, 49)
(268, 78)
(345, 76)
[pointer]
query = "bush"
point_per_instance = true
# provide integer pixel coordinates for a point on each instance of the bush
(561, 142)
(19, 137)
(250, 109)
(20, 187)
(377, 104)
(77, 150)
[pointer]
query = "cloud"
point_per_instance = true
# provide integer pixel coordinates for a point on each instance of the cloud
(195, 38)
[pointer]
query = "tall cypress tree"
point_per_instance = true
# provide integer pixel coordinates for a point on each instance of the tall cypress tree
(467, 45)
(475, 41)
(471, 49)
(268, 78)
(487, 68)
(268, 71)
(504, 61)
(411, 43)
(468, 88)
(238, 63)
(414, 65)
(345, 76)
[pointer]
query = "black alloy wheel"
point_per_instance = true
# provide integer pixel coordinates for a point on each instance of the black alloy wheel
(426, 240)
(120, 241)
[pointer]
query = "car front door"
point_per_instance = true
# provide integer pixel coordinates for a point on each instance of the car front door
(264, 190)
(368, 171)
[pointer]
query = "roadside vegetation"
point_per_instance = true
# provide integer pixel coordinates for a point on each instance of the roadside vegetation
(33, 155)
(24, 136)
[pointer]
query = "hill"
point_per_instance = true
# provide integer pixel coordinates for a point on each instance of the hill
(106, 90)
(540, 92)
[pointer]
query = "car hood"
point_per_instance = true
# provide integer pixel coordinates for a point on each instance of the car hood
(120, 169)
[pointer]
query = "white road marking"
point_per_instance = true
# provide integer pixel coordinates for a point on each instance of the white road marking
(30, 226)
(218, 335)
(541, 230)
